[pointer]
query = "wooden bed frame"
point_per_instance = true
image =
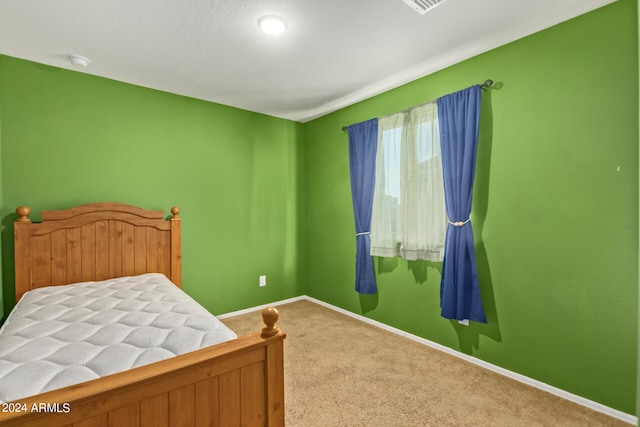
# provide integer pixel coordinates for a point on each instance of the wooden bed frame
(239, 382)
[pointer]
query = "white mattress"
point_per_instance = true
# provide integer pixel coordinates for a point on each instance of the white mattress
(62, 335)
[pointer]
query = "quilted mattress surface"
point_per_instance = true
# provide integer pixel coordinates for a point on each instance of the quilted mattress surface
(63, 335)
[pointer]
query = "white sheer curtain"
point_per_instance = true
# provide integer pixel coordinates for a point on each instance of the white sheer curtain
(409, 218)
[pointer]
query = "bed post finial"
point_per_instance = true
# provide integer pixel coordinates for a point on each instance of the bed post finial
(175, 211)
(270, 317)
(23, 213)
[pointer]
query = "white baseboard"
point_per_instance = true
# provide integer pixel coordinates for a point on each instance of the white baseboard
(623, 416)
(260, 307)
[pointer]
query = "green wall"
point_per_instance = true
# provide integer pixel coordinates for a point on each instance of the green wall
(555, 211)
(70, 138)
(555, 205)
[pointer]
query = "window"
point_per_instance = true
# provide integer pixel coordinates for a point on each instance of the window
(409, 218)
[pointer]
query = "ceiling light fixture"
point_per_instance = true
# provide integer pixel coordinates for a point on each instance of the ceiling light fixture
(272, 24)
(78, 60)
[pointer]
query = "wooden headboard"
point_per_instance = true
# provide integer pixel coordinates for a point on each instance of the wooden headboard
(96, 241)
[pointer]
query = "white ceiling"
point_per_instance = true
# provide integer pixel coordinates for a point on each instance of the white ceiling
(333, 54)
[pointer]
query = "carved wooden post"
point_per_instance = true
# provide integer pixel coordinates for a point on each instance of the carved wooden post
(274, 368)
(22, 250)
(176, 249)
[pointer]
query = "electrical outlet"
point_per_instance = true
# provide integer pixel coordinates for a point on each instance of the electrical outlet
(464, 322)
(263, 280)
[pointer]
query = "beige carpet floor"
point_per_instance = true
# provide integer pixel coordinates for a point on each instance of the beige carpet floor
(340, 371)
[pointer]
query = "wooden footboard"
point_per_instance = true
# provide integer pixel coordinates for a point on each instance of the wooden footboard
(236, 383)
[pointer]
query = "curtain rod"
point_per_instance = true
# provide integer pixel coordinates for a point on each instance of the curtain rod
(484, 86)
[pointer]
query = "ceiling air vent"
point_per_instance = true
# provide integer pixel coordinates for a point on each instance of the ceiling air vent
(423, 6)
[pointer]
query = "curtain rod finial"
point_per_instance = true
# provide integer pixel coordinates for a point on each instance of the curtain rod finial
(487, 84)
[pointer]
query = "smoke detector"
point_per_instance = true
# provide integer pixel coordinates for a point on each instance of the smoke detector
(423, 6)
(78, 60)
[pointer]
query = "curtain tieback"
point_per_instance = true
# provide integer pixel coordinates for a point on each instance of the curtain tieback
(363, 233)
(459, 223)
